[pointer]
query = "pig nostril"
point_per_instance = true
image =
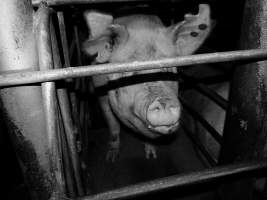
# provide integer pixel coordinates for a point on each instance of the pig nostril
(174, 110)
(163, 113)
(155, 106)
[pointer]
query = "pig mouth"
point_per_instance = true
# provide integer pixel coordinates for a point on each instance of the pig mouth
(162, 115)
(164, 129)
(159, 114)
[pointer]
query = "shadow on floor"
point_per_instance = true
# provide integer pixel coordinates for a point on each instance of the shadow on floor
(132, 167)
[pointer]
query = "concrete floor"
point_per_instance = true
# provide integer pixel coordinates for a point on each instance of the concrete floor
(174, 157)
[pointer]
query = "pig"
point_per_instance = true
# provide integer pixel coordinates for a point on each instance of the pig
(146, 101)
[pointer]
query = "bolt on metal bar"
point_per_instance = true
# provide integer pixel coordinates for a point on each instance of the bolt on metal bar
(198, 144)
(80, 71)
(203, 176)
(201, 120)
(49, 98)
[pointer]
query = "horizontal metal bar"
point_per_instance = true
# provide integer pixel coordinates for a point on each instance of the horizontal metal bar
(204, 176)
(80, 71)
(201, 120)
(219, 100)
(199, 145)
(71, 2)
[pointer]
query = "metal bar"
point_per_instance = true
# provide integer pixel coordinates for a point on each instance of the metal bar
(203, 89)
(77, 42)
(22, 106)
(198, 144)
(71, 2)
(49, 98)
(69, 126)
(80, 71)
(204, 176)
(219, 100)
(63, 36)
(64, 151)
(201, 120)
(245, 135)
(69, 130)
(72, 50)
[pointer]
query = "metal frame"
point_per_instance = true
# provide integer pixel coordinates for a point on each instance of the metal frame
(71, 2)
(80, 71)
(200, 177)
(47, 75)
(44, 50)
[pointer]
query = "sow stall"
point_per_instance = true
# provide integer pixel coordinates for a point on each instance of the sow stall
(43, 122)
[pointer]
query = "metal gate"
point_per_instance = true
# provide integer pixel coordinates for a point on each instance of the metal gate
(39, 115)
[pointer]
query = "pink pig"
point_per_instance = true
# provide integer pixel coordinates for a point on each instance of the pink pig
(146, 101)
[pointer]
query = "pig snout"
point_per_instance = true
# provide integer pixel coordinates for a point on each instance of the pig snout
(163, 115)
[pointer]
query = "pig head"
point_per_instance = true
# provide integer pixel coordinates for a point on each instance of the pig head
(146, 101)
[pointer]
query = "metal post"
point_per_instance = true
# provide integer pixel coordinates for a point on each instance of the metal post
(23, 105)
(245, 130)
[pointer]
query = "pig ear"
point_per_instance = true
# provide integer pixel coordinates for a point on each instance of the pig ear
(105, 43)
(97, 22)
(189, 34)
(104, 36)
(100, 47)
(98, 42)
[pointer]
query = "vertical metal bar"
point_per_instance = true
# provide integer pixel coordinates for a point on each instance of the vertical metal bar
(77, 41)
(68, 170)
(49, 98)
(64, 40)
(23, 105)
(69, 126)
(246, 123)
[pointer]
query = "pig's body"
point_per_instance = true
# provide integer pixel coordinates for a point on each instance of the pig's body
(146, 101)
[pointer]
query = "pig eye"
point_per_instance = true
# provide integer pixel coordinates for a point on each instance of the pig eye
(114, 39)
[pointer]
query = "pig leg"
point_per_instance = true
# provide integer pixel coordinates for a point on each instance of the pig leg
(114, 130)
(150, 150)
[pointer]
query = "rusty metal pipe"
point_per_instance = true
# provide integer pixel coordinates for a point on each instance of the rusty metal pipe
(204, 176)
(80, 71)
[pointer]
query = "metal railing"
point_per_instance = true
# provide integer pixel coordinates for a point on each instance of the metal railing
(47, 75)
(20, 78)
(200, 177)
